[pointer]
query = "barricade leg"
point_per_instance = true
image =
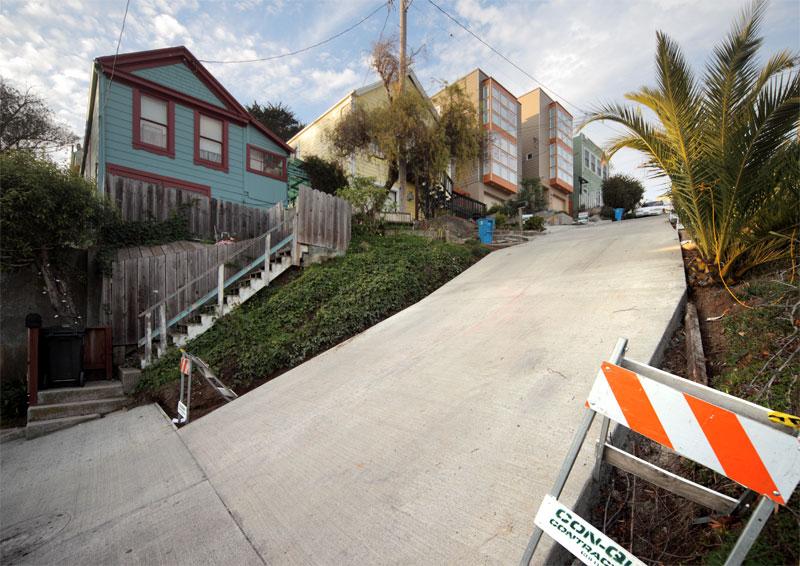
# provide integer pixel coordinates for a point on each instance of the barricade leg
(561, 480)
(751, 531)
(580, 435)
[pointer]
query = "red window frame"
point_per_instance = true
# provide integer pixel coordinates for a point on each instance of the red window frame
(281, 177)
(205, 162)
(168, 151)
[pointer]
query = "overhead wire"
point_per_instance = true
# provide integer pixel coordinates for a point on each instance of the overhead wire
(513, 64)
(380, 38)
(302, 50)
(116, 54)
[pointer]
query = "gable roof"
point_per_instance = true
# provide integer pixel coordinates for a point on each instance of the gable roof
(362, 91)
(121, 67)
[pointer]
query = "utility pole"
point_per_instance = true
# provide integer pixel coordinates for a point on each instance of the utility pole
(401, 162)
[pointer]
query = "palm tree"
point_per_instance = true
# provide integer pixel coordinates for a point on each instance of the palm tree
(727, 142)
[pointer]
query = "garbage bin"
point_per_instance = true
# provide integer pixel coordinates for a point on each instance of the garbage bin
(62, 353)
(618, 212)
(486, 230)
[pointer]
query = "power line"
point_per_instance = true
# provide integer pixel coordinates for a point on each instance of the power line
(380, 38)
(116, 54)
(509, 61)
(304, 49)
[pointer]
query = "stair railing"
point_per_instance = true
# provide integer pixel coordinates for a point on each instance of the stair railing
(263, 241)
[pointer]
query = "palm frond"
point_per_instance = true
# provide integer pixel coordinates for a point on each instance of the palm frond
(729, 143)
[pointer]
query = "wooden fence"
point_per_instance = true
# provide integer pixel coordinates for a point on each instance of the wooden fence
(323, 220)
(140, 199)
(142, 276)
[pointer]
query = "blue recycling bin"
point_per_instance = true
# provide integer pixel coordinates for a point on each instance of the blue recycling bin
(618, 212)
(486, 230)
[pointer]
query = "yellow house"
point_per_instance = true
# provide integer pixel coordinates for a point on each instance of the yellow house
(313, 140)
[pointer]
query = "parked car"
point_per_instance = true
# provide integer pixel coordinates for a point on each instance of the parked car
(652, 208)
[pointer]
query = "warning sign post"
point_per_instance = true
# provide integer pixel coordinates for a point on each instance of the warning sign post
(750, 444)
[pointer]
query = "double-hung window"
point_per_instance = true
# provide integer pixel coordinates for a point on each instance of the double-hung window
(263, 162)
(153, 124)
(210, 142)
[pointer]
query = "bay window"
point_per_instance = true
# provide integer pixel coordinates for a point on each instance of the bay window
(210, 142)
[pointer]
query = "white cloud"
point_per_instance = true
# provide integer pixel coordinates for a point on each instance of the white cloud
(168, 28)
(325, 84)
(586, 52)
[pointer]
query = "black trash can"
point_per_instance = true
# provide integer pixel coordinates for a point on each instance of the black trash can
(62, 353)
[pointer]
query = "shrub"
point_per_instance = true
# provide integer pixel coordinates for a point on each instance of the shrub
(43, 208)
(530, 195)
(534, 223)
(366, 197)
(622, 191)
(13, 399)
(117, 233)
(500, 218)
(323, 175)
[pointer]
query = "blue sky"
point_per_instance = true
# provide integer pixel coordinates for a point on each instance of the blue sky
(582, 52)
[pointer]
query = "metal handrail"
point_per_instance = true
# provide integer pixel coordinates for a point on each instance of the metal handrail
(215, 292)
(208, 272)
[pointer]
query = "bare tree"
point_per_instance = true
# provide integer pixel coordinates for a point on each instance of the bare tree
(27, 123)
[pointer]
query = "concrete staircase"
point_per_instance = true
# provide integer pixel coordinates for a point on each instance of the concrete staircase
(67, 406)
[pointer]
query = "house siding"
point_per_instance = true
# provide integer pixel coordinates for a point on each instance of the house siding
(92, 149)
(313, 141)
(179, 77)
(236, 185)
(590, 194)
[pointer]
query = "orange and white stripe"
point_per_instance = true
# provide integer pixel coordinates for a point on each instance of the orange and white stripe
(185, 365)
(749, 452)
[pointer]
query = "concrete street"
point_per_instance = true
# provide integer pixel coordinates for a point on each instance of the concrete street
(430, 438)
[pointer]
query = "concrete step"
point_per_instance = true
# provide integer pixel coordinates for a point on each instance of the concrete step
(40, 428)
(92, 391)
(75, 409)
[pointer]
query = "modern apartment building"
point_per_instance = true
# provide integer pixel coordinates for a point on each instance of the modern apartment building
(591, 168)
(494, 178)
(546, 143)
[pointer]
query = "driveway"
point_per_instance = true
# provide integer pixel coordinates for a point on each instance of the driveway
(430, 438)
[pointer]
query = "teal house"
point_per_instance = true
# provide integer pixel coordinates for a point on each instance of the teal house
(590, 168)
(160, 118)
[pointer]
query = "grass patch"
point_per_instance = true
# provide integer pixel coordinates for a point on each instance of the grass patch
(762, 366)
(283, 326)
(759, 363)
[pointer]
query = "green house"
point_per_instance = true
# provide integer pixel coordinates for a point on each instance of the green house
(590, 167)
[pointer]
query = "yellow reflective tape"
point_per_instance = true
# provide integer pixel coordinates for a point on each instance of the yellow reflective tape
(784, 419)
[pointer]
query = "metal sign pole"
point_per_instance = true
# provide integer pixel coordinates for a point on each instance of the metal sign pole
(572, 455)
(183, 407)
(188, 391)
(180, 397)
